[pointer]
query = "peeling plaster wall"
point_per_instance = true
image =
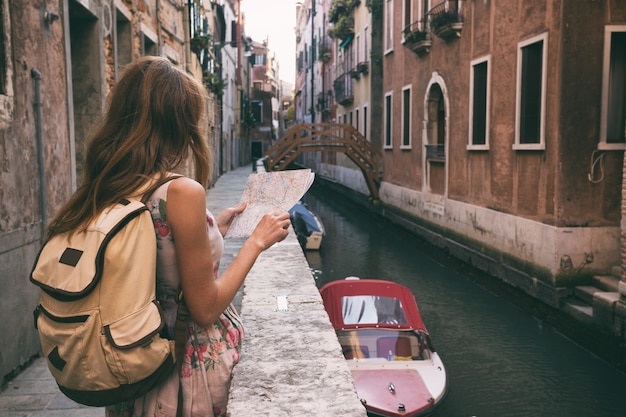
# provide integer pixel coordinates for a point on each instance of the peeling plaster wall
(535, 210)
(78, 55)
(39, 47)
(538, 249)
(546, 252)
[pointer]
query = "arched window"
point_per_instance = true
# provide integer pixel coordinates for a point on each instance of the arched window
(435, 140)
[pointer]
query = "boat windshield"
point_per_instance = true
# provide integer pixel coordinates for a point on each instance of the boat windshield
(388, 344)
(372, 309)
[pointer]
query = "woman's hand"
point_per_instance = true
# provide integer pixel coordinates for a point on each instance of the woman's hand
(273, 227)
(225, 218)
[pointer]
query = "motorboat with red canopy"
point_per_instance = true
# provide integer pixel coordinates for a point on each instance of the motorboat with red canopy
(395, 368)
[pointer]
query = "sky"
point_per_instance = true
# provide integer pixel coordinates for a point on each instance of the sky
(274, 20)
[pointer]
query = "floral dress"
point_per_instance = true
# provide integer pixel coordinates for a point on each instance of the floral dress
(210, 353)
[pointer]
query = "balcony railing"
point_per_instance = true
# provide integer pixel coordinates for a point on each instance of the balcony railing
(417, 37)
(324, 101)
(359, 69)
(446, 19)
(343, 89)
(436, 152)
(324, 51)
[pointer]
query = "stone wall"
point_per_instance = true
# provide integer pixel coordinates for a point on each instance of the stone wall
(291, 363)
(34, 119)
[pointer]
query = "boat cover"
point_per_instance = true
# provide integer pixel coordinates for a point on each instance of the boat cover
(370, 303)
(304, 220)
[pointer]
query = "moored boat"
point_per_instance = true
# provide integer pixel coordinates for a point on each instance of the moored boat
(307, 225)
(395, 368)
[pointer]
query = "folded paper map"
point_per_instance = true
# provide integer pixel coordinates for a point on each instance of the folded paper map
(268, 191)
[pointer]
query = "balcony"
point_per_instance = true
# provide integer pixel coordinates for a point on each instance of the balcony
(417, 38)
(342, 29)
(446, 19)
(325, 102)
(436, 152)
(339, 8)
(343, 89)
(363, 67)
(324, 52)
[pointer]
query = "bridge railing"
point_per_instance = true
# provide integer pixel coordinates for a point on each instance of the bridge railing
(316, 137)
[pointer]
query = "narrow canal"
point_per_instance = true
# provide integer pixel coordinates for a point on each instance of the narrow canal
(500, 360)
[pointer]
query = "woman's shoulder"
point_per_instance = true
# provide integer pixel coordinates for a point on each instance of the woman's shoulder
(186, 212)
(186, 200)
(185, 187)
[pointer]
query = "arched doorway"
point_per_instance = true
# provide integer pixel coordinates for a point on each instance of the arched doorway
(435, 139)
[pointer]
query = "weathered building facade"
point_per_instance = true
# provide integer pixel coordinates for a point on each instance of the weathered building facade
(502, 132)
(497, 139)
(356, 80)
(339, 77)
(35, 125)
(324, 100)
(58, 60)
(311, 45)
(265, 94)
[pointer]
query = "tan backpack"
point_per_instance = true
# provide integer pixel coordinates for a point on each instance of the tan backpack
(98, 318)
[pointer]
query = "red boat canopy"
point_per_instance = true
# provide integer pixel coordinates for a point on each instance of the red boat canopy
(370, 303)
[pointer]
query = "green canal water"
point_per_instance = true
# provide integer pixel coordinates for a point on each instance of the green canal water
(501, 361)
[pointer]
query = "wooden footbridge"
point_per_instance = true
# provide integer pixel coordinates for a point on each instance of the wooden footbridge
(316, 137)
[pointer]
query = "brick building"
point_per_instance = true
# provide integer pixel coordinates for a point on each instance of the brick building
(496, 133)
(265, 94)
(502, 131)
(58, 60)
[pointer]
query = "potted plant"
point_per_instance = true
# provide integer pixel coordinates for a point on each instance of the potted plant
(417, 40)
(343, 28)
(374, 6)
(363, 67)
(337, 8)
(214, 82)
(446, 23)
(199, 43)
(324, 52)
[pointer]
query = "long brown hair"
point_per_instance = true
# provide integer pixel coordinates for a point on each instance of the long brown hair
(155, 115)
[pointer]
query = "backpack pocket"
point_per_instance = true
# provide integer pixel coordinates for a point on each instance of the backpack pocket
(133, 342)
(68, 344)
(117, 362)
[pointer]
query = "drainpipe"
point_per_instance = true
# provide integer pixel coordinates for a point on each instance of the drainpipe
(313, 53)
(43, 197)
(187, 36)
(160, 48)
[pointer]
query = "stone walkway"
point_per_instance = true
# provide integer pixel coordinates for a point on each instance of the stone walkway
(34, 393)
(291, 364)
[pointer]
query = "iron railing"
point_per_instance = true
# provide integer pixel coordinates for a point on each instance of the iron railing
(448, 11)
(324, 101)
(343, 89)
(436, 152)
(416, 31)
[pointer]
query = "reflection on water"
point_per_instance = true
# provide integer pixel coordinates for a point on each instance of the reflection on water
(501, 362)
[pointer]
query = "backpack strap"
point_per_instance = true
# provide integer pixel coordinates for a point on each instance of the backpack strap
(182, 313)
(180, 339)
(156, 186)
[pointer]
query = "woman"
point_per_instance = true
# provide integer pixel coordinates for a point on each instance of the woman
(153, 123)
